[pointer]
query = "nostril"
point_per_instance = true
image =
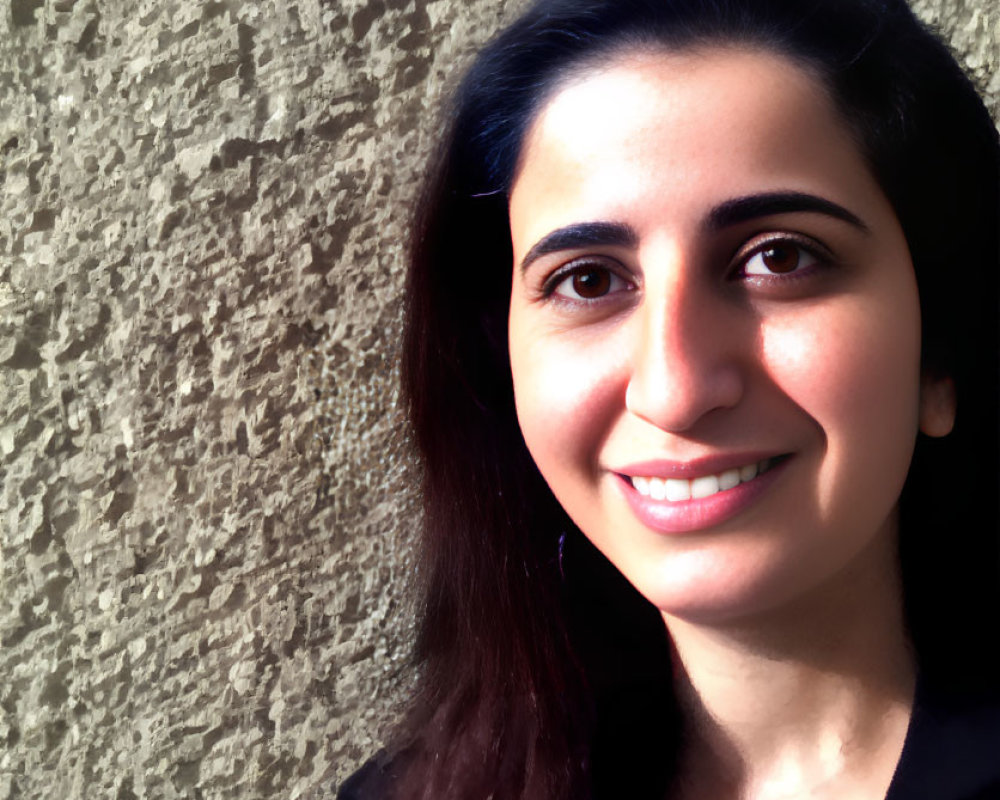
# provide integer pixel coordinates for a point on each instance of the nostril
(677, 400)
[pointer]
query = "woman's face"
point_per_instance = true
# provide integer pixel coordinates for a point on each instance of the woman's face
(714, 329)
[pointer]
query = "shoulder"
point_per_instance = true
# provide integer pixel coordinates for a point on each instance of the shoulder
(952, 749)
(373, 781)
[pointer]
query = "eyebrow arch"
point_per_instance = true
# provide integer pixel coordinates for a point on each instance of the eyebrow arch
(744, 209)
(731, 212)
(583, 234)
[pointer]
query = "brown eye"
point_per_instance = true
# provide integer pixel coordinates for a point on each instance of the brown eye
(592, 283)
(589, 283)
(779, 258)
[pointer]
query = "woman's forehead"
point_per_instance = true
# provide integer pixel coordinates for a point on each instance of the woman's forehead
(649, 132)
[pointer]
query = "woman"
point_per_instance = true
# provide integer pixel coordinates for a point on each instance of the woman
(707, 291)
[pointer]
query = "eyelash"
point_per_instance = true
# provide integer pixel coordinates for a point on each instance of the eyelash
(582, 267)
(820, 256)
(803, 246)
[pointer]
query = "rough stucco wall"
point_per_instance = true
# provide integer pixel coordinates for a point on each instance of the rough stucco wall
(206, 501)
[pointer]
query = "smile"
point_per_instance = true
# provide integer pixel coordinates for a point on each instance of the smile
(695, 498)
(675, 490)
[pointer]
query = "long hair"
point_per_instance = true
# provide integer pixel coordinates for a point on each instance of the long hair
(538, 661)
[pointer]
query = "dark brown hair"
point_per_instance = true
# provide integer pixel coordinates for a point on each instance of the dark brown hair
(538, 661)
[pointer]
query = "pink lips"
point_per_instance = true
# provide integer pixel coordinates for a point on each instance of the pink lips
(687, 516)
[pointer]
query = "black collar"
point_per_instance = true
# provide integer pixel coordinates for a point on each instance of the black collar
(952, 748)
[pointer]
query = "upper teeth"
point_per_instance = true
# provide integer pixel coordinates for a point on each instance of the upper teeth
(675, 489)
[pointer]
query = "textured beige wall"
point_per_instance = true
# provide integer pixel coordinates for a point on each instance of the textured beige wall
(206, 502)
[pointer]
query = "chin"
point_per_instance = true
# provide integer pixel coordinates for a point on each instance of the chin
(713, 589)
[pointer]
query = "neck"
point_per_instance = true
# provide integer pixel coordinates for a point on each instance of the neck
(812, 700)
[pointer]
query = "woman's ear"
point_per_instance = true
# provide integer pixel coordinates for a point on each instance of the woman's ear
(937, 405)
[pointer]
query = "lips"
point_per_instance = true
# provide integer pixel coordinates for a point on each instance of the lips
(671, 497)
(677, 489)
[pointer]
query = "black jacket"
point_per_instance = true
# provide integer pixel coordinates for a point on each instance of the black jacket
(951, 752)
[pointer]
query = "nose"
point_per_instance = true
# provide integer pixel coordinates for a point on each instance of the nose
(688, 357)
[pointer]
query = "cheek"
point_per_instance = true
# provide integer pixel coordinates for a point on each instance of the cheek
(854, 368)
(567, 390)
(847, 361)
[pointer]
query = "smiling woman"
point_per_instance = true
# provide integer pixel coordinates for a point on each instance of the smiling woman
(687, 361)
(702, 361)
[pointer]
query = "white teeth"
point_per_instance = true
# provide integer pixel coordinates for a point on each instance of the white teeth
(729, 479)
(748, 473)
(678, 490)
(704, 487)
(674, 490)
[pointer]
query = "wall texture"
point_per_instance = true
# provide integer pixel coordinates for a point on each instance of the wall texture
(206, 499)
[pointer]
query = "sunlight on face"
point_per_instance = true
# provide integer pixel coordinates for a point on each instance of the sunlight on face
(714, 328)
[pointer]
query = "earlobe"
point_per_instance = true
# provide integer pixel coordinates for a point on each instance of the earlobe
(937, 405)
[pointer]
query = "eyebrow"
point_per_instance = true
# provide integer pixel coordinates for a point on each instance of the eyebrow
(582, 234)
(744, 209)
(731, 212)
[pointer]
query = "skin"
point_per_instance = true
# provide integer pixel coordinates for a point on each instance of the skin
(786, 614)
